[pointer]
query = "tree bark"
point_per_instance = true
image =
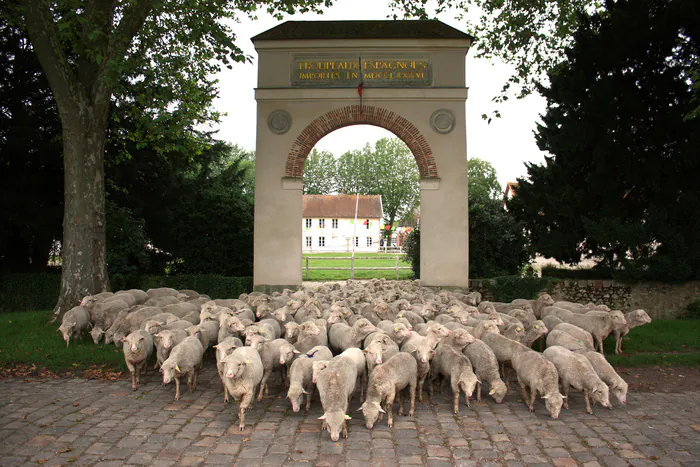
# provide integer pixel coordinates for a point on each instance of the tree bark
(83, 251)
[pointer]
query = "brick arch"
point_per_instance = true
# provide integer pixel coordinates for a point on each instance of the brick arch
(366, 115)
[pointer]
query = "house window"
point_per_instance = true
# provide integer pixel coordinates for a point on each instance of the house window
(334, 223)
(308, 223)
(367, 224)
(369, 241)
(321, 241)
(357, 241)
(322, 223)
(308, 242)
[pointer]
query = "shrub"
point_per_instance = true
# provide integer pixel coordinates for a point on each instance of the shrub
(412, 248)
(29, 291)
(508, 288)
(588, 273)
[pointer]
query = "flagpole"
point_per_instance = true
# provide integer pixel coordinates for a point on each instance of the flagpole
(362, 82)
(354, 231)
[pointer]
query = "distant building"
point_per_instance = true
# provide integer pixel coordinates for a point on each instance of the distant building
(328, 223)
(510, 191)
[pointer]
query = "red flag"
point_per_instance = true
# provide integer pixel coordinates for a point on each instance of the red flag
(359, 88)
(365, 222)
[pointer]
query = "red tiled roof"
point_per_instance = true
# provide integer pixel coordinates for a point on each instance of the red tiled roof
(370, 206)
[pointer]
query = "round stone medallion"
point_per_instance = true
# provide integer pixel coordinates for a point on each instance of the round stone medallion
(442, 121)
(279, 121)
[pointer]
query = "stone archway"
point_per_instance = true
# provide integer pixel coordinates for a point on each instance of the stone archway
(361, 115)
(412, 79)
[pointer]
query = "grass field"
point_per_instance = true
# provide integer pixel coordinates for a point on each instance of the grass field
(662, 342)
(28, 339)
(378, 260)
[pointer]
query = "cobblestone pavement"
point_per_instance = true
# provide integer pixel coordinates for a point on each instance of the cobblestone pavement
(78, 422)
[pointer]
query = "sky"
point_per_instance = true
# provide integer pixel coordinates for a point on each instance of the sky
(506, 142)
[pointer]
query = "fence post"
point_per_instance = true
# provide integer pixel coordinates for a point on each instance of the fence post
(307, 268)
(397, 267)
(352, 267)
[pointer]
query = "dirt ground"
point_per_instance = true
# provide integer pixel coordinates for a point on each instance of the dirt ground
(661, 379)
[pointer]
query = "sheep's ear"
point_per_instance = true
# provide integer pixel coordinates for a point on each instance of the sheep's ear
(177, 368)
(213, 346)
(492, 392)
(348, 417)
(296, 352)
(562, 396)
(545, 397)
(322, 417)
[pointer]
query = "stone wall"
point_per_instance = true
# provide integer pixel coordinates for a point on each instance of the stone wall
(661, 301)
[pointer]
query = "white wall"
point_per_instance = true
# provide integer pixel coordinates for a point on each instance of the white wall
(340, 239)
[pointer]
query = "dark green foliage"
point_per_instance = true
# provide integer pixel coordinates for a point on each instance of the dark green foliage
(692, 311)
(29, 291)
(412, 247)
(497, 244)
(127, 254)
(591, 273)
(622, 181)
(197, 209)
(508, 288)
(31, 168)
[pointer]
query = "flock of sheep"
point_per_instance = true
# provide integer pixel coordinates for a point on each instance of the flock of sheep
(390, 335)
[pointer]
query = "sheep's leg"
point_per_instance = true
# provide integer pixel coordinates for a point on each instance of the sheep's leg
(533, 396)
(401, 401)
(345, 430)
(421, 380)
(225, 394)
(455, 398)
(132, 370)
(246, 399)
(412, 397)
(363, 382)
(177, 388)
(526, 396)
(263, 384)
(565, 391)
(309, 395)
(600, 344)
(478, 391)
(588, 402)
(389, 408)
(431, 382)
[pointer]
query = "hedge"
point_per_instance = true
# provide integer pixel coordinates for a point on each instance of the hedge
(39, 291)
(508, 288)
(564, 273)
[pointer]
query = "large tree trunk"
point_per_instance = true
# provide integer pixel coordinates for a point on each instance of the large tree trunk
(83, 251)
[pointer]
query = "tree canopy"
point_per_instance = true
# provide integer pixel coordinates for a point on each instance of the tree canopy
(620, 185)
(387, 169)
(154, 60)
(498, 245)
(529, 35)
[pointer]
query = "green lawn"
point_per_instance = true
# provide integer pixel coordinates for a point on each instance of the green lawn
(378, 260)
(662, 342)
(28, 338)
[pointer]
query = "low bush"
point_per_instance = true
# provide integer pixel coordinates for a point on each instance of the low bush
(508, 288)
(29, 291)
(583, 274)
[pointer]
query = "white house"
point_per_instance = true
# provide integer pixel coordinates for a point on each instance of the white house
(328, 223)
